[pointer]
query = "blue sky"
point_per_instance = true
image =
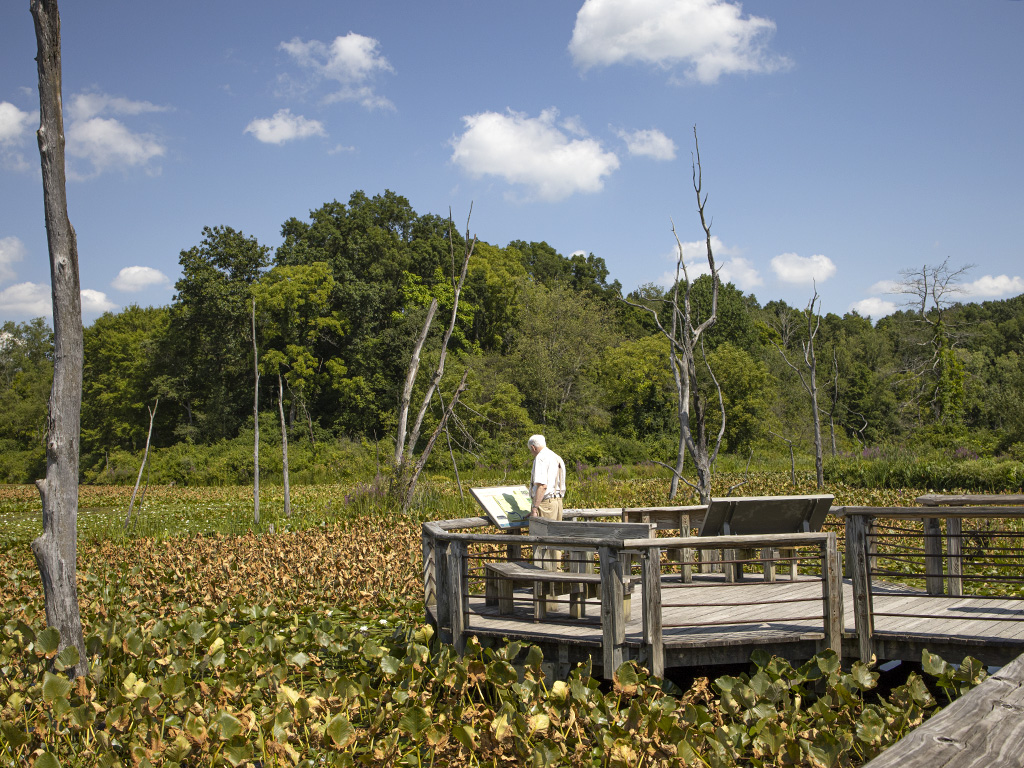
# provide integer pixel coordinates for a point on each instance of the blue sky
(841, 142)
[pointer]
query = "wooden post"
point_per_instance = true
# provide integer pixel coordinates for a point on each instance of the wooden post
(954, 552)
(650, 580)
(933, 556)
(514, 552)
(613, 625)
(859, 558)
(457, 598)
(429, 576)
(441, 589)
(832, 594)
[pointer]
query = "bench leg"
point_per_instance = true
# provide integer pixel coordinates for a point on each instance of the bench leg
(503, 592)
(768, 555)
(540, 601)
(490, 589)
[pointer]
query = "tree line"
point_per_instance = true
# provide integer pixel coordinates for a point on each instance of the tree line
(546, 342)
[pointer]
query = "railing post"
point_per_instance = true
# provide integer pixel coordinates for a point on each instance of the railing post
(429, 577)
(613, 625)
(933, 556)
(654, 642)
(457, 597)
(954, 554)
(832, 594)
(860, 574)
(442, 610)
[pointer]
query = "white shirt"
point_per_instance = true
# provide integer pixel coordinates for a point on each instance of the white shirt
(549, 470)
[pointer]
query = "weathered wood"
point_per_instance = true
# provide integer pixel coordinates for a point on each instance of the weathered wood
(965, 499)
(752, 541)
(983, 728)
(613, 625)
(653, 639)
(857, 547)
(458, 601)
(920, 513)
(765, 514)
(589, 514)
(954, 555)
(442, 589)
(429, 578)
(933, 556)
(832, 594)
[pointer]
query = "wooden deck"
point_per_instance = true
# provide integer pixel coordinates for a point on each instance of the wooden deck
(709, 622)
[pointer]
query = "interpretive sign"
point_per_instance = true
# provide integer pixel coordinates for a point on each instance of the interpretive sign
(507, 506)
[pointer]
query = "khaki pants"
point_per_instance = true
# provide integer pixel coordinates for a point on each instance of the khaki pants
(550, 509)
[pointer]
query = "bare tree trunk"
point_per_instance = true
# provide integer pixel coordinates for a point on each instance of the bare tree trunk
(403, 484)
(255, 422)
(145, 456)
(284, 446)
(421, 462)
(56, 549)
(683, 338)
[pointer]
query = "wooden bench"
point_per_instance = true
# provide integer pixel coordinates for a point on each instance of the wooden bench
(680, 519)
(580, 582)
(753, 515)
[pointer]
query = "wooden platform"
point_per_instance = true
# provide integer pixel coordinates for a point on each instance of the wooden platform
(737, 619)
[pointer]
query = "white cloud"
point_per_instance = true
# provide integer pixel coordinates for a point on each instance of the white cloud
(988, 286)
(106, 143)
(26, 300)
(15, 128)
(132, 279)
(85, 106)
(791, 268)
(95, 302)
(708, 37)
(284, 126)
(534, 152)
(650, 143)
(886, 286)
(732, 268)
(351, 61)
(34, 300)
(874, 307)
(12, 250)
(14, 123)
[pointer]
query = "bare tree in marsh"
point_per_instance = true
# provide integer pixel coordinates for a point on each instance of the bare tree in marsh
(145, 456)
(407, 466)
(284, 445)
(56, 549)
(684, 336)
(810, 381)
(255, 421)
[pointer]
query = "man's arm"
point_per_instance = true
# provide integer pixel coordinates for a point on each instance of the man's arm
(539, 489)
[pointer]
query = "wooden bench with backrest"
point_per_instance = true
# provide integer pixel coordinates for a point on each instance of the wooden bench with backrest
(764, 515)
(580, 582)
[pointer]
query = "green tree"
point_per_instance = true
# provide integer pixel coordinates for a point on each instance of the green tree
(26, 375)
(209, 332)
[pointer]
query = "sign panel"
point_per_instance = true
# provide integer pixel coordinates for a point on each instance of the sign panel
(507, 506)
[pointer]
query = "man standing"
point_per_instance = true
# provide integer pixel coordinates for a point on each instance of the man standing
(547, 488)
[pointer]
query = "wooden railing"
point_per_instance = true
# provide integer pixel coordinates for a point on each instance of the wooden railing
(930, 546)
(450, 546)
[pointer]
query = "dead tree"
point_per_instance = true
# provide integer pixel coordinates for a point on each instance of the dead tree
(56, 549)
(145, 456)
(406, 468)
(284, 445)
(684, 336)
(810, 383)
(255, 422)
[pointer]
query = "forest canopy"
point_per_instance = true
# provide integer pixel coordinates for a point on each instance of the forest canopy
(547, 341)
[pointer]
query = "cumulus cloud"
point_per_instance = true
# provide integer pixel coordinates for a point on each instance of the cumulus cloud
(95, 302)
(886, 286)
(650, 143)
(15, 128)
(732, 268)
(14, 123)
(535, 152)
(989, 286)
(283, 127)
(791, 268)
(34, 300)
(96, 136)
(352, 61)
(132, 279)
(708, 38)
(26, 300)
(874, 307)
(12, 250)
